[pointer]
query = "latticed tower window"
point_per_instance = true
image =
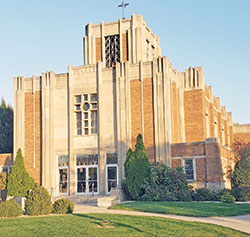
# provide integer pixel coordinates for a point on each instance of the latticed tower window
(112, 50)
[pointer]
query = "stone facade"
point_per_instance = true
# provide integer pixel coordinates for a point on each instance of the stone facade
(62, 122)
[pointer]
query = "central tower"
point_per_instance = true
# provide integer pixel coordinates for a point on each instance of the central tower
(124, 40)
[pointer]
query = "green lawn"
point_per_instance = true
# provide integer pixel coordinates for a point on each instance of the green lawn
(200, 209)
(121, 225)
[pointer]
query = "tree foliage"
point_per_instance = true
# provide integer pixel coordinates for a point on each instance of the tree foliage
(238, 148)
(3, 181)
(165, 184)
(6, 128)
(137, 168)
(19, 182)
(240, 178)
(38, 202)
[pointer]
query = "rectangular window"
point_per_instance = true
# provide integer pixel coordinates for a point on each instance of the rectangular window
(93, 122)
(63, 160)
(189, 169)
(78, 99)
(215, 127)
(82, 160)
(223, 135)
(86, 114)
(111, 158)
(207, 125)
(79, 123)
(112, 50)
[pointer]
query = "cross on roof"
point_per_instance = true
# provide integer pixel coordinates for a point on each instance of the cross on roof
(123, 5)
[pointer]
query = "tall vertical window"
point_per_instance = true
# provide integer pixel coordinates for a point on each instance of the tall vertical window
(207, 125)
(223, 135)
(215, 127)
(112, 50)
(189, 168)
(228, 138)
(86, 115)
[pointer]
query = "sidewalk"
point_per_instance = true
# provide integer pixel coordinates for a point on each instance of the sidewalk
(241, 223)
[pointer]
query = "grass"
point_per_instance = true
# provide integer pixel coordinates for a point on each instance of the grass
(198, 209)
(118, 225)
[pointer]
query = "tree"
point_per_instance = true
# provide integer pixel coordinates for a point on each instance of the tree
(137, 168)
(6, 128)
(238, 148)
(240, 177)
(19, 182)
(165, 184)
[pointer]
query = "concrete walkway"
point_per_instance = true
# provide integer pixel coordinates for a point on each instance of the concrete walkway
(241, 223)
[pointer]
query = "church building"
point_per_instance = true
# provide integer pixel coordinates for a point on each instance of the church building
(75, 128)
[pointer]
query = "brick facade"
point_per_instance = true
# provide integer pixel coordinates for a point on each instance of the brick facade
(98, 43)
(148, 117)
(194, 116)
(33, 135)
(6, 159)
(211, 161)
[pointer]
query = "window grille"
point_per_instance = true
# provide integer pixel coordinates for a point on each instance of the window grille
(112, 50)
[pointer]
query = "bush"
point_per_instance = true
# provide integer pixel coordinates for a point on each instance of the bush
(63, 206)
(38, 201)
(205, 194)
(19, 182)
(10, 209)
(125, 190)
(3, 181)
(227, 198)
(137, 168)
(241, 194)
(165, 184)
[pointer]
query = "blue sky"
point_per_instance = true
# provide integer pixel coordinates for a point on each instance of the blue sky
(41, 35)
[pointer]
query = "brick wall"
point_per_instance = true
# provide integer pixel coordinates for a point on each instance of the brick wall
(6, 159)
(194, 116)
(175, 113)
(148, 115)
(207, 159)
(187, 149)
(136, 122)
(245, 137)
(98, 45)
(33, 139)
(124, 47)
(213, 163)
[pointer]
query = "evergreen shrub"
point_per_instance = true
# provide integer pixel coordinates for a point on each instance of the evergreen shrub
(38, 202)
(19, 182)
(63, 206)
(10, 209)
(165, 184)
(137, 168)
(3, 181)
(205, 194)
(227, 198)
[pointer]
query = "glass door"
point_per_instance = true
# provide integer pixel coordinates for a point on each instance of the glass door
(87, 180)
(81, 180)
(63, 181)
(112, 177)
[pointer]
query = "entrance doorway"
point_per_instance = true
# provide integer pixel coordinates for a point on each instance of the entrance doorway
(87, 179)
(112, 177)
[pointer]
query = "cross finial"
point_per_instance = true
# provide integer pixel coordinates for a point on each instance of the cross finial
(123, 5)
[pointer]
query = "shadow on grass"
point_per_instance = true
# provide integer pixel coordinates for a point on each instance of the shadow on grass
(116, 224)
